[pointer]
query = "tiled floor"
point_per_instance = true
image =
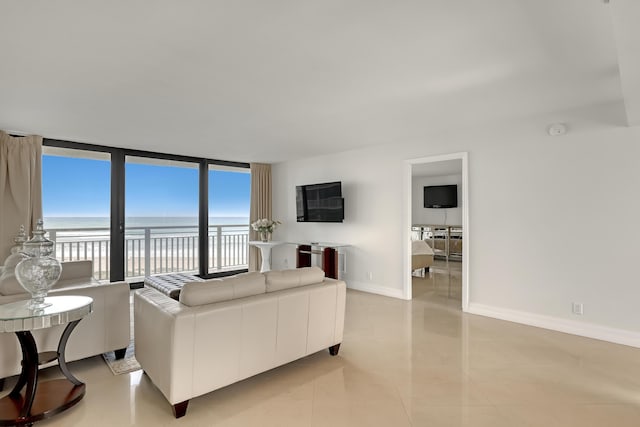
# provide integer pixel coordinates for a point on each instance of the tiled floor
(402, 363)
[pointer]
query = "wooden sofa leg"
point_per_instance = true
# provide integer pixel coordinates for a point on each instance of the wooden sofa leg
(180, 409)
(120, 353)
(333, 350)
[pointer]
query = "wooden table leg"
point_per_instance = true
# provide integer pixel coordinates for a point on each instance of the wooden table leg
(30, 401)
(28, 374)
(62, 345)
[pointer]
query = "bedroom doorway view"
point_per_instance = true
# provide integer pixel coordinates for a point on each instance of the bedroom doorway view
(438, 233)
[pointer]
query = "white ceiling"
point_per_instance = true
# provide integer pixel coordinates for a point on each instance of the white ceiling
(274, 80)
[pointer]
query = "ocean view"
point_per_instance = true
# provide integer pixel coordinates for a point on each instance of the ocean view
(54, 222)
(153, 245)
(161, 232)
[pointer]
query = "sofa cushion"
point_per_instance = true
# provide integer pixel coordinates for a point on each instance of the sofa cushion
(9, 285)
(285, 279)
(224, 289)
(73, 270)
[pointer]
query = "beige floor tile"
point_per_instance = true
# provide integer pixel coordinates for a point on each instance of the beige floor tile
(402, 363)
(459, 416)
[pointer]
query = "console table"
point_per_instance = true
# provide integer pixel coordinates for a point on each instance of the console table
(30, 400)
(332, 254)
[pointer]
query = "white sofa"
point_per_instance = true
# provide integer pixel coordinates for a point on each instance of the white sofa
(107, 328)
(225, 330)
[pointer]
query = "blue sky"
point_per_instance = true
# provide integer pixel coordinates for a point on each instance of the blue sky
(81, 187)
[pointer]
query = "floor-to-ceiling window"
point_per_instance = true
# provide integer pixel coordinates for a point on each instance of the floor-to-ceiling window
(76, 205)
(228, 237)
(137, 213)
(161, 217)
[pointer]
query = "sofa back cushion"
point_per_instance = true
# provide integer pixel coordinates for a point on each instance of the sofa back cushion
(9, 285)
(285, 279)
(77, 270)
(224, 289)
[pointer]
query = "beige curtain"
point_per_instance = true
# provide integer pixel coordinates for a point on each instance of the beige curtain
(20, 187)
(260, 206)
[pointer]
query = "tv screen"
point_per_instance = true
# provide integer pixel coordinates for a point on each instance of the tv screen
(320, 202)
(441, 196)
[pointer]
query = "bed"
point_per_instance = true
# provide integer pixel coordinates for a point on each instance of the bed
(421, 256)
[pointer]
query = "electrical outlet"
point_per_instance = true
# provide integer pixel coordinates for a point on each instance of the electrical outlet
(577, 308)
(286, 263)
(369, 275)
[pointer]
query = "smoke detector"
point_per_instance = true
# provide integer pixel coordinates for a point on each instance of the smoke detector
(557, 129)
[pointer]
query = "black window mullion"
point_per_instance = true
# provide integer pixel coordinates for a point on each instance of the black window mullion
(203, 219)
(117, 216)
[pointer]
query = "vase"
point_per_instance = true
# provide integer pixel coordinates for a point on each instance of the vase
(38, 271)
(37, 274)
(39, 245)
(265, 236)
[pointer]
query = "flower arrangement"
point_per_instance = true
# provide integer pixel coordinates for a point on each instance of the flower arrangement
(265, 227)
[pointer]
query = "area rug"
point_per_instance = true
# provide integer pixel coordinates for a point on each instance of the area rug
(125, 365)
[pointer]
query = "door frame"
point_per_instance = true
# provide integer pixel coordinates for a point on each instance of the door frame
(407, 223)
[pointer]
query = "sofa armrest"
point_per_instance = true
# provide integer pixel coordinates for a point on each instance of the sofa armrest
(164, 342)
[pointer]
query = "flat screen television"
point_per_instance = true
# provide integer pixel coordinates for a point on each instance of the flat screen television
(320, 202)
(441, 196)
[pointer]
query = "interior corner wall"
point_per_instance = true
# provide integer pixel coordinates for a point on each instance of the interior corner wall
(422, 215)
(551, 219)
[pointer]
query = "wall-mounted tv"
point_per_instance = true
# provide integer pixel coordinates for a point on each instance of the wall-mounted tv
(441, 196)
(320, 202)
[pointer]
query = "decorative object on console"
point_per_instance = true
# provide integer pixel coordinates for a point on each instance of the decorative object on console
(39, 271)
(265, 227)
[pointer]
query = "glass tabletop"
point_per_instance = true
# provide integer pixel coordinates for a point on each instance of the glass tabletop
(17, 316)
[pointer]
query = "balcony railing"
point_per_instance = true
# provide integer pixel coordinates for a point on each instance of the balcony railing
(155, 250)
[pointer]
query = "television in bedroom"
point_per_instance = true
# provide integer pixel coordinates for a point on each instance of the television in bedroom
(320, 202)
(441, 196)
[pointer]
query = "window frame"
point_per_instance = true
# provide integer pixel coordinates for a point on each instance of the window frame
(117, 207)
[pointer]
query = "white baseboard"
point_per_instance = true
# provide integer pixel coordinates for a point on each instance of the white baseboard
(374, 289)
(589, 330)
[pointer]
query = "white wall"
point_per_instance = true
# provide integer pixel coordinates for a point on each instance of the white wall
(553, 220)
(422, 215)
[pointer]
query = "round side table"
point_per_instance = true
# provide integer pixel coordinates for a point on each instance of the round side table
(30, 400)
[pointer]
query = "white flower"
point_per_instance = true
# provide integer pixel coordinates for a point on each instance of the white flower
(265, 224)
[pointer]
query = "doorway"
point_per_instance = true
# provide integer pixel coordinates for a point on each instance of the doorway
(461, 216)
